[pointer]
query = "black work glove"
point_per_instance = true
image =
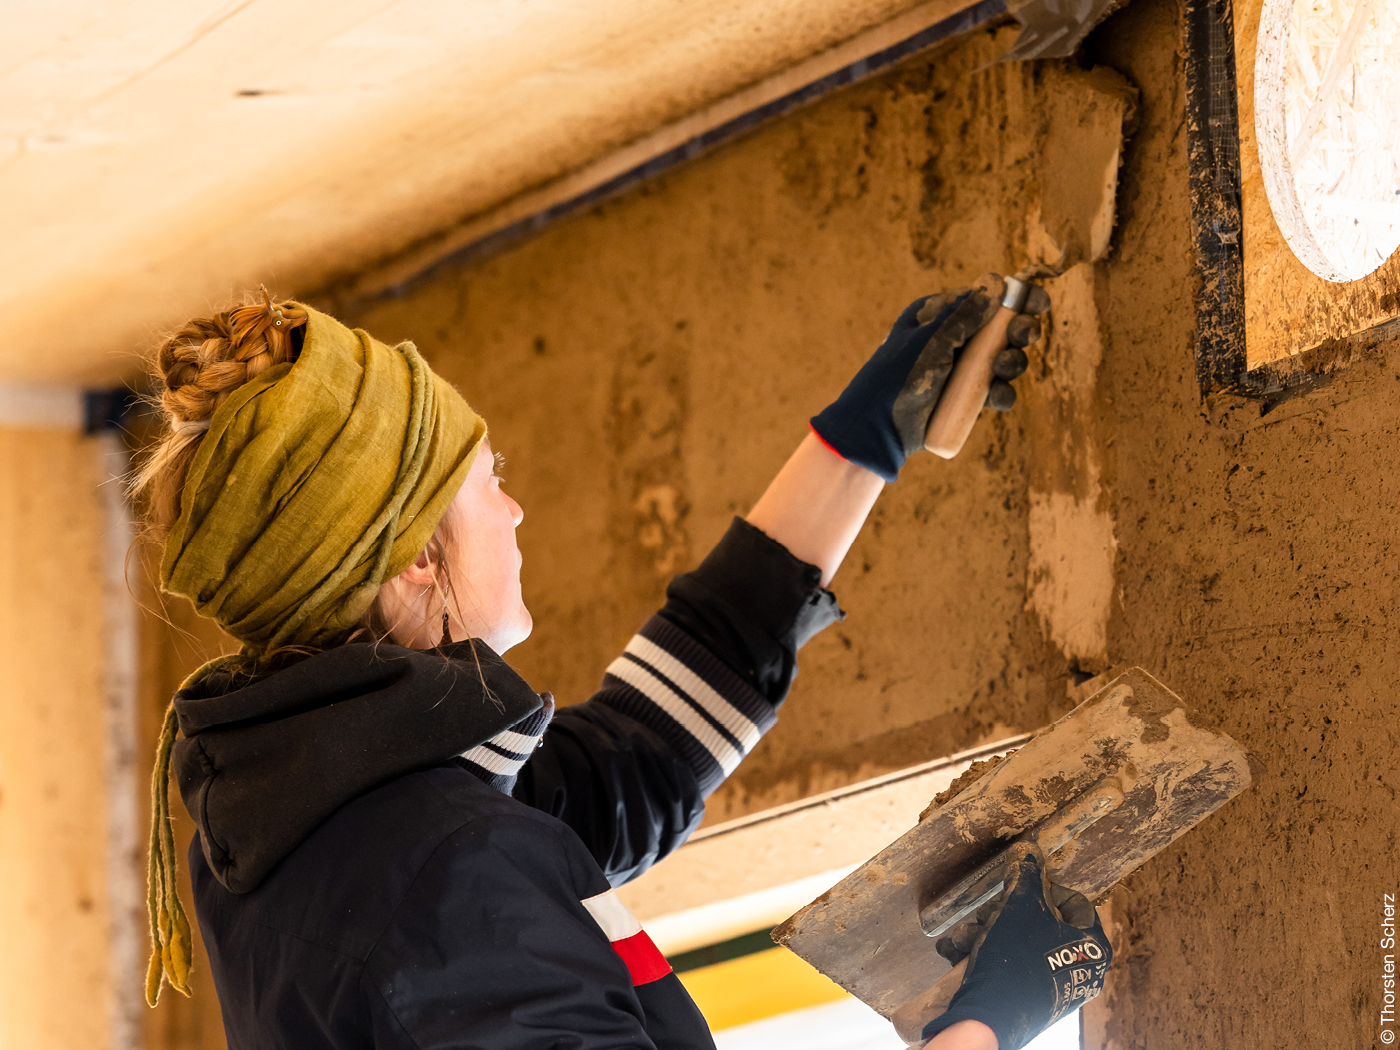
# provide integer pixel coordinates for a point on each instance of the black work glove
(880, 418)
(1035, 952)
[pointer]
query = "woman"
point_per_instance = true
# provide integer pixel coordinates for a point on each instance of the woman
(400, 843)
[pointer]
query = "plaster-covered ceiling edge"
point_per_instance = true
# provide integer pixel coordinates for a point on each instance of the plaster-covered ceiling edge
(920, 29)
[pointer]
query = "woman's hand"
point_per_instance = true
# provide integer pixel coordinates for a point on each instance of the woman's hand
(1034, 953)
(880, 418)
(823, 494)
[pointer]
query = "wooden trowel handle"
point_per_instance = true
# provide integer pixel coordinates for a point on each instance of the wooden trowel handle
(966, 390)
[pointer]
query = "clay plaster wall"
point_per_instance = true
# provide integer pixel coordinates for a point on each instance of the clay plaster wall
(646, 368)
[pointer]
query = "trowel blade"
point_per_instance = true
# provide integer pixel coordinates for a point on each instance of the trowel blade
(865, 932)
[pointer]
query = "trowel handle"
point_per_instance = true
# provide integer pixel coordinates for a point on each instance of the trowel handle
(966, 390)
(985, 882)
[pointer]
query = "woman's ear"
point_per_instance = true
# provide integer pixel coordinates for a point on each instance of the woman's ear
(424, 570)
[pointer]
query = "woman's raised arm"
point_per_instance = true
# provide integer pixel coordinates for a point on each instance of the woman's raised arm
(816, 505)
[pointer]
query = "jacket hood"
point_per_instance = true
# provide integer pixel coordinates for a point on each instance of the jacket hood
(264, 764)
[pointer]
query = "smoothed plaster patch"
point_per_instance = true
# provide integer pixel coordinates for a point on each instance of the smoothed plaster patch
(1070, 574)
(1069, 571)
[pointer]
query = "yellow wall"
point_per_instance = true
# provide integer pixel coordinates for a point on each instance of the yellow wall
(58, 989)
(54, 909)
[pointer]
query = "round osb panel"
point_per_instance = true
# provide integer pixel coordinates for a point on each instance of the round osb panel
(1327, 113)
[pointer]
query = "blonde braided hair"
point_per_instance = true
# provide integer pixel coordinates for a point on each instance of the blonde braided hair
(200, 365)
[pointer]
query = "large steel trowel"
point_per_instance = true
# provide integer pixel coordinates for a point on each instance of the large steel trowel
(1100, 791)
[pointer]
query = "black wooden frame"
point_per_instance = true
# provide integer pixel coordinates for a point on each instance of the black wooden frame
(1213, 150)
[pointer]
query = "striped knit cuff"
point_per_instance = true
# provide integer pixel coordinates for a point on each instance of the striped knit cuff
(676, 687)
(499, 760)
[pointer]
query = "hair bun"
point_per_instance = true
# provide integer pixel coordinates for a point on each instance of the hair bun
(200, 365)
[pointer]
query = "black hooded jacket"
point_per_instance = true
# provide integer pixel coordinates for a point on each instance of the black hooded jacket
(393, 851)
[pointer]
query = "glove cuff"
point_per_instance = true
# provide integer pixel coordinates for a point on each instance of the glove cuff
(876, 451)
(1015, 1023)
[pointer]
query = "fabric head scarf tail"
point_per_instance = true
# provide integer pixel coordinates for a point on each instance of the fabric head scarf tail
(316, 481)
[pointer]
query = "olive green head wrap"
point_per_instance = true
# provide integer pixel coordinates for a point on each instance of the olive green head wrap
(316, 481)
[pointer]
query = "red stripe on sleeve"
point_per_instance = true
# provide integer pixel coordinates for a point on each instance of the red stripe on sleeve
(643, 959)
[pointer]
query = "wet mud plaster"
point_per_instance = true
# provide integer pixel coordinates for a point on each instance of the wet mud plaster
(647, 367)
(1069, 195)
(1072, 543)
(965, 780)
(1072, 214)
(1026, 154)
(1069, 580)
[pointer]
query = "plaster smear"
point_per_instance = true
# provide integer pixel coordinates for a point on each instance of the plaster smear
(1069, 573)
(1071, 221)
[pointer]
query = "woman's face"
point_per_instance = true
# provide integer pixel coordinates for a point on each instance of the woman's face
(483, 560)
(482, 563)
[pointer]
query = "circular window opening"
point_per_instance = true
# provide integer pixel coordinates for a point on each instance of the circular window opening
(1327, 106)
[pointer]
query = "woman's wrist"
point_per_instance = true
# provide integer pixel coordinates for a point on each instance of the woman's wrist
(816, 505)
(965, 1035)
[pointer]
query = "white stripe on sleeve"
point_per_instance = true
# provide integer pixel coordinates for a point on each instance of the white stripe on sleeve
(723, 712)
(493, 761)
(510, 740)
(613, 916)
(666, 698)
